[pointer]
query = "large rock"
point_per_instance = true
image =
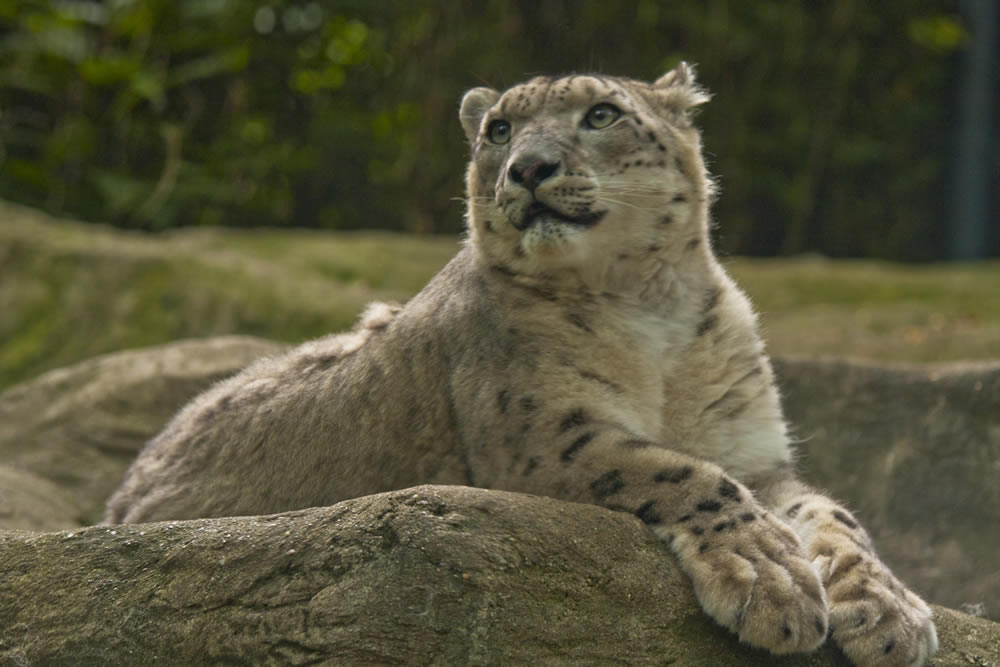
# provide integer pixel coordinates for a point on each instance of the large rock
(442, 575)
(67, 437)
(913, 450)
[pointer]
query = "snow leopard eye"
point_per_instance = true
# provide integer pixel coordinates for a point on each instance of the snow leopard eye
(498, 132)
(601, 116)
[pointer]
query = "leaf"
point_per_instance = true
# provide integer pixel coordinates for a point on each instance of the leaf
(121, 192)
(108, 70)
(148, 86)
(942, 34)
(226, 62)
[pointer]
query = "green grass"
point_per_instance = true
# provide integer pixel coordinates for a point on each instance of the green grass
(69, 291)
(876, 310)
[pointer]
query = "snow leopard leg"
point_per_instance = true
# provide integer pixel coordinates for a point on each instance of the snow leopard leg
(748, 568)
(874, 618)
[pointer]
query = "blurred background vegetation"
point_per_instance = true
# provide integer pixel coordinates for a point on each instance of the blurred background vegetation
(834, 130)
(831, 128)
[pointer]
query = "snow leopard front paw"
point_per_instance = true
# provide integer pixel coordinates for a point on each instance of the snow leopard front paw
(873, 617)
(751, 575)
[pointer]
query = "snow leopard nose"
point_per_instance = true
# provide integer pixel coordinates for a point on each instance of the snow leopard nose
(530, 171)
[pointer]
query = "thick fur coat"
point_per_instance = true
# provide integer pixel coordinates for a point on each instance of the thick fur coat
(584, 344)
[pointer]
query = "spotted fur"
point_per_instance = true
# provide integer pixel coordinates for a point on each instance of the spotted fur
(585, 344)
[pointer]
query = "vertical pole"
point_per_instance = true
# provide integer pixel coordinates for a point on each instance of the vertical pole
(970, 210)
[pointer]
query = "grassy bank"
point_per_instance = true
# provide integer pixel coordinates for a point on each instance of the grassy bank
(69, 291)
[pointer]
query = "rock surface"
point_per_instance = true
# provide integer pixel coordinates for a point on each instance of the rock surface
(449, 574)
(429, 575)
(914, 450)
(72, 432)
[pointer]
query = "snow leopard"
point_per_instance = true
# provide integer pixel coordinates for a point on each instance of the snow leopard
(586, 344)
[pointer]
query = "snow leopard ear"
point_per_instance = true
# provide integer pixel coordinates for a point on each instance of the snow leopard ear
(475, 104)
(678, 89)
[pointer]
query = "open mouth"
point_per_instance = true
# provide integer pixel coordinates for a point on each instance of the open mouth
(537, 212)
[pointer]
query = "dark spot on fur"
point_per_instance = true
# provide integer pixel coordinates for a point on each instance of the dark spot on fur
(820, 626)
(686, 517)
(200, 441)
(541, 293)
(891, 644)
(607, 484)
(575, 418)
(504, 269)
(844, 569)
(708, 506)
(647, 515)
(528, 403)
(712, 296)
(577, 320)
(697, 530)
(707, 324)
(693, 243)
(654, 248)
(674, 475)
(503, 401)
(667, 219)
(662, 149)
(728, 404)
(729, 490)
(793, 510)
(223, 403)
(747, 517)
(786, 631)
(719, 527)
(844, 519)
(703, 547)
(576, 445)
(532, 464)
(679, 198)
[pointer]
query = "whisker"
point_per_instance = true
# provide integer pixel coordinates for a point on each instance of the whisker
(644, 209)
(633, 186)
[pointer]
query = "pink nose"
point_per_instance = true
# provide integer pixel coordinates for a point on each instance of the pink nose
(530, 172)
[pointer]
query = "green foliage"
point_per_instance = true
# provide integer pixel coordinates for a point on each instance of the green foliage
(829, 127)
